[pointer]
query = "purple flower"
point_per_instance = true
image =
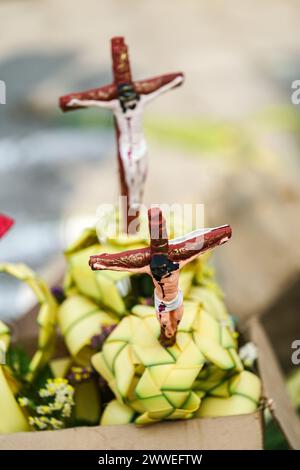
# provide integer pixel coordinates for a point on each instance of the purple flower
(58, 293)
(97, 341)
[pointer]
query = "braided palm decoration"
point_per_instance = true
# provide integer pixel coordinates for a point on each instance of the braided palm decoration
(159, 383)
(105, 288)
(12, 418)
(235, 395)
(80, 319)
(46, 318)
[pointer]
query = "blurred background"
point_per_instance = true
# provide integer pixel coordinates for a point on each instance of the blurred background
(229, 138)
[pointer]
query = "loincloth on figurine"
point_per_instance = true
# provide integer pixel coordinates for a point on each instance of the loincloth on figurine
(162, 306)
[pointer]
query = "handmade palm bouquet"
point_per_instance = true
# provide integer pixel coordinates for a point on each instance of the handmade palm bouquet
(140, 332)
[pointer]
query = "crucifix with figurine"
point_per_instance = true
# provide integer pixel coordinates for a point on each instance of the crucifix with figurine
(126, 99)
(5, 224)
(163, 260)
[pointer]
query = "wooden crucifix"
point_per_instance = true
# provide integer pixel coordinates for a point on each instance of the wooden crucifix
(126, 99)
(5, 224)
(162, 260)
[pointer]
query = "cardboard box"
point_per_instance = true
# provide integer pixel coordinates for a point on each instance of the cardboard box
(244, 432)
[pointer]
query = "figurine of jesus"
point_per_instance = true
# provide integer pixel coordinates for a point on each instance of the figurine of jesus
(128, 110)
(163, 261)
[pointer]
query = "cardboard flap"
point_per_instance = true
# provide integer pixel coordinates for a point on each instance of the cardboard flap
(228, 433)
(274, 385)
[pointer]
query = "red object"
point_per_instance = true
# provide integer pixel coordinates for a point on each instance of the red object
(5, 224)
(121, 75)
(181, 250)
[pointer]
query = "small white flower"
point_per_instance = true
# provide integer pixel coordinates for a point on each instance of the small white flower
(66, 412)
(248, 354)
(43, 409)
(23, 401)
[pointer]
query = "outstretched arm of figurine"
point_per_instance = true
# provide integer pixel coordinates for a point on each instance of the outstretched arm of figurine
(185, 249)
(133, 261)
(98, 267)
(192, 258)
(151, 96)
(75, 103)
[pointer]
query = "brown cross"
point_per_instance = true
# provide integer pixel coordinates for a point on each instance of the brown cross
(119, 91)
(162, 260)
